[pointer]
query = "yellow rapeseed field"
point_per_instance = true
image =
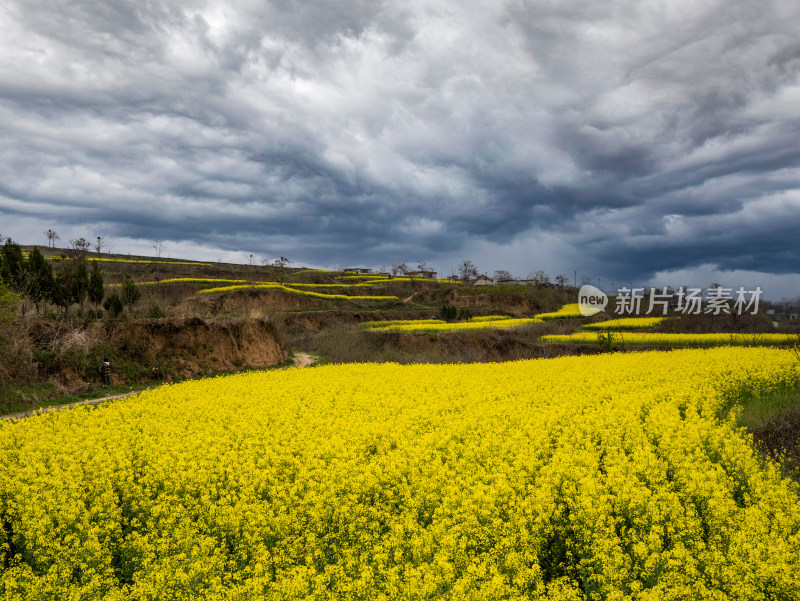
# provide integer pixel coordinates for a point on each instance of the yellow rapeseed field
(441, 326)
(391, 323)
(596, 477)
(566, 312)
(626, 323)
(679, 340)
(277, 286)
(184, 281)
(484, 322)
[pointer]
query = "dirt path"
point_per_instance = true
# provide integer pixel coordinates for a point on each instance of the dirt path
(303, 359)
(70, 405)
(300, 360)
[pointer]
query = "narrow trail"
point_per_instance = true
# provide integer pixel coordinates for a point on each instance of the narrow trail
(300, 360)
(303, 359)
(24, 414)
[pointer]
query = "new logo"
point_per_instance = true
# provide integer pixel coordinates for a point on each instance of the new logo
(591, 300)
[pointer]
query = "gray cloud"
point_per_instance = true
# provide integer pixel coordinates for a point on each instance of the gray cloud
(352, 132)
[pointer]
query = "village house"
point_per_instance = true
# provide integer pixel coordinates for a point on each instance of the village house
(423, 274)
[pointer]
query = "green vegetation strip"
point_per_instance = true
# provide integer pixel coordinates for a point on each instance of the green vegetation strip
(103, 260)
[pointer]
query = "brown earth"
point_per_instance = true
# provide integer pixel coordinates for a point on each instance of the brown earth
(320, 320)
(152, 350)
(480, 346)
(198, 346)
(257, 303)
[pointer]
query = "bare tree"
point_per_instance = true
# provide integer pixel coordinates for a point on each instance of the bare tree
(251, 258)
(81, 245)
(52, 236)
(585, 280)
(562, 280)
(281, 264)
(159, 248)
(467, 270)
(399, 268)
(99, 245)
(539, 277)
(501, 276)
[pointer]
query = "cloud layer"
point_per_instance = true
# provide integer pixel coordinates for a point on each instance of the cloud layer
(619, 140)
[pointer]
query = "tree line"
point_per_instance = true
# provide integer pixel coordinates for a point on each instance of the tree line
(69, 284)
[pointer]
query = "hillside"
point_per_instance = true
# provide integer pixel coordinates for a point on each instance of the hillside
(193, 318)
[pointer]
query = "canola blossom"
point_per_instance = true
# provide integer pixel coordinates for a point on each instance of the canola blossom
(249, 282)
(185, 281)
(490, 318)
(680, 340)
(626, 323)
(391, 324)
(379, 325)
(417, 326)
(359, 285)
(276, 286)
(595, 477)
(567, 312)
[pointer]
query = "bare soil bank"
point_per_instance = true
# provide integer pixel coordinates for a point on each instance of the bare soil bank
(158, 349)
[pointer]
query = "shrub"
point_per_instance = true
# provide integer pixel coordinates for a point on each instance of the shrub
(130, 292)
(113, 304)
(155, 312)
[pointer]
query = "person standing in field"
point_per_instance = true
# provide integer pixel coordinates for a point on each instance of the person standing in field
(105, 371)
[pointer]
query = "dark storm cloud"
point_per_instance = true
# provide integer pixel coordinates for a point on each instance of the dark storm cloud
(645, 137)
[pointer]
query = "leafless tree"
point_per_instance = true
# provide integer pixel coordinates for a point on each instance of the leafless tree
(159, 248)
(251, 258)
(467, 270)
(540, 278)
(585, 280)
(99, 245)
(52, 236)
(501, 276)
(399, 268)
(81, 245)
(281, 264)
(562, 280)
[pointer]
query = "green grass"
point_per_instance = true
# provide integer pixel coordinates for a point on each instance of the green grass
(42, 395)
(30, 397)
(754, 411)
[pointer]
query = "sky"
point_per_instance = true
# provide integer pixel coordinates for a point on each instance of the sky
(652, 142)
